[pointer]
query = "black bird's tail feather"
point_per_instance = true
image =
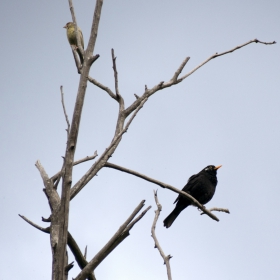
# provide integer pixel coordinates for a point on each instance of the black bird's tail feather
(171, 217)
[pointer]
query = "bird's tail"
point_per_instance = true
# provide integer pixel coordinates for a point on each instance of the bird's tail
(171, 217)
(80, 55)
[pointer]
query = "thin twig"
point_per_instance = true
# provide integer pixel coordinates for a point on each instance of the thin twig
(157, 245)
(115, 73)
(69, 266)
(163, 185)
(174, 80)
(64, 110)
(223, 53)
(108, 90)
(85, 254)
(137, 219)
(46, 230)
(87, 158)
(217, 209)
(180, 69)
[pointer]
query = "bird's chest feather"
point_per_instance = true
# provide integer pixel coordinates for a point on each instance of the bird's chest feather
(71, 36)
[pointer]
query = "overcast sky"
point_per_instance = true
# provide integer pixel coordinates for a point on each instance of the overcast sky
(225, 113)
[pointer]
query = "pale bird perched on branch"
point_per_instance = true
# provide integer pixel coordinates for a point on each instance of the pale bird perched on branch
(70, 31)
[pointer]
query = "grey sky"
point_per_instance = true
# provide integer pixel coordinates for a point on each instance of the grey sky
(225, 113)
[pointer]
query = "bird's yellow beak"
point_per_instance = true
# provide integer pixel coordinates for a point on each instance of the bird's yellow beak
(217, 167)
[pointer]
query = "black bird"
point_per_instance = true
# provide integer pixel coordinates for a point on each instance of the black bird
(201, 186)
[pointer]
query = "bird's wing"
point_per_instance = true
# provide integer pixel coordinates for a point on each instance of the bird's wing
(81, 37)
(192, 183)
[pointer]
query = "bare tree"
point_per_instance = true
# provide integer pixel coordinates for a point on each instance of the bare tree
(60, 236)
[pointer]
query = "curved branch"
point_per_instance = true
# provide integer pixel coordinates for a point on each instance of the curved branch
(87, 158)
(157, 245)
(218, 209)
(223, 53)
(46, 230)
(163, 185)
(108, 90)
(174, 80)
(64, 111)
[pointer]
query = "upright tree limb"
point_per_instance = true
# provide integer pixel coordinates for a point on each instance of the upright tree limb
(63, 213)
(64, 111)
(49, 190)
(223, 53)
(157, 245)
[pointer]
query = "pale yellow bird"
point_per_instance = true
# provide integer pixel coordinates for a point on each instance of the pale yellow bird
(70, 31)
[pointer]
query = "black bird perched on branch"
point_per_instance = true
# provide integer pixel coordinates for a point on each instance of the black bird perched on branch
(201, 186)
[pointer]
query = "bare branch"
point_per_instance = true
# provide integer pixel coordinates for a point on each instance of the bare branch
(85, 254)
(46, 230)
(51, 193)
(117, 238)
(104, 157)
(119, 97)
(80, 259)
(223, 53)
(64, 110)
(137, 219)
(108, 90)
(87, 158)
(265, 43)
(163, 185)
(125, 233)
(174, 80)
(157, 245)
(218, 209)
(48, 220)
(68, 267)
(180, 69)
(94, 58)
